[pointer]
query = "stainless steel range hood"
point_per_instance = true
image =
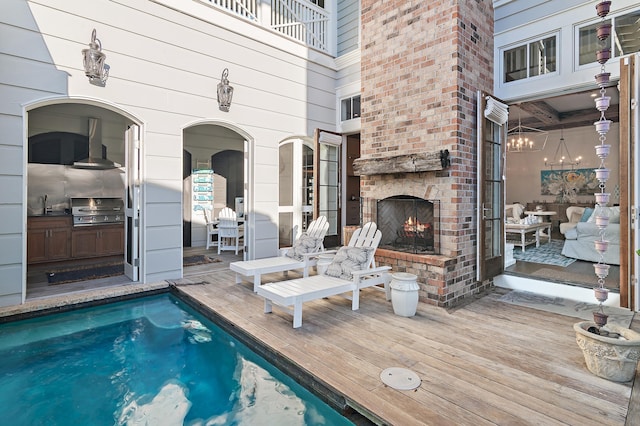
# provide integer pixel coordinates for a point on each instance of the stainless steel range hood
(95, 160)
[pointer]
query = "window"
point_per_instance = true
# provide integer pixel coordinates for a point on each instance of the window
(350, 108)
(624, 31)
(530, 60)
(319, 3)
(589, 43)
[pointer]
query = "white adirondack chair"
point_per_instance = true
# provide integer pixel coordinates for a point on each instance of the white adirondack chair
(284, 263)
(212, 231)
(229, 232)
(290, 295)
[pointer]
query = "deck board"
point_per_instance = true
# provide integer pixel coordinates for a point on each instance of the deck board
(487, 362)
(482, 363)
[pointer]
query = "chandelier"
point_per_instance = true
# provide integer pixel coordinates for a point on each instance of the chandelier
(562, 157)
(526, 139)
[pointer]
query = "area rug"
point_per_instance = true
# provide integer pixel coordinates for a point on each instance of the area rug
(90, 273)
(547, 253)
(198, 260)
(566, 307)
(63, 276)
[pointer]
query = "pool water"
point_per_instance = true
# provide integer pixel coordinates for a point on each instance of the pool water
(150, 361)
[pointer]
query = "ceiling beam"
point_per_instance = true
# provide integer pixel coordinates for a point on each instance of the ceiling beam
(542, 111)
(568, 120)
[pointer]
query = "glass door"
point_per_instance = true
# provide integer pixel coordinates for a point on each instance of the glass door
(296, 192)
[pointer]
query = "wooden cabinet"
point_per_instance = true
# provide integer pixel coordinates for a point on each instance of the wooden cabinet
(53, 239)
(48, 238)
(104, 240)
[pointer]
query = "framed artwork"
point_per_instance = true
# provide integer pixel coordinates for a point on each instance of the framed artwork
(565, 185)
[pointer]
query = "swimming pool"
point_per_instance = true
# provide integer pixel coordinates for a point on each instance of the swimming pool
(152, 360)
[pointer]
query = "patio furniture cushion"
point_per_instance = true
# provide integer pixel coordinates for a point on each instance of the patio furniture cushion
(303, 245)
(347, 260)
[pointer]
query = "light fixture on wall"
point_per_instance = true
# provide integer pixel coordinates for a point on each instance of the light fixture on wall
(526, 139)
(94, 66)
(562, 158)
(225, 92)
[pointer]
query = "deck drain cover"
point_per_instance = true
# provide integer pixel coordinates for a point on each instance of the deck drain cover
(400, 378)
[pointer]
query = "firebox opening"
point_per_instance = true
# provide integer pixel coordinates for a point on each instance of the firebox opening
(409, 224)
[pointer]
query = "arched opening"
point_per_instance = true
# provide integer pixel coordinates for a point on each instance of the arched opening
(67, 244)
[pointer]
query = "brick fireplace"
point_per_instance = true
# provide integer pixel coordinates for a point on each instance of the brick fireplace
(421, 66)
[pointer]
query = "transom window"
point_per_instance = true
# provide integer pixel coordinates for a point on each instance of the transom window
(530, 60)
(625, 30)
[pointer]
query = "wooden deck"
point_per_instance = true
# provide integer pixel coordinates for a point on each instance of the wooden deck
(485, 363)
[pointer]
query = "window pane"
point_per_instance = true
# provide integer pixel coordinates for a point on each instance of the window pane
(345, 109)
(588, 43)
(356, 107)
(542, 57)
(515, 64)
(286, 175)
(627, 33)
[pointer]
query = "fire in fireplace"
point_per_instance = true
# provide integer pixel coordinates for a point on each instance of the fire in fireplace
(409, 224)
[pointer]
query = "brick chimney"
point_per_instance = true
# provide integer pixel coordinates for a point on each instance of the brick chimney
(422, 63)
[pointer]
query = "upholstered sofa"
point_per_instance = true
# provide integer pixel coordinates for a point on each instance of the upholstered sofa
(580, 237)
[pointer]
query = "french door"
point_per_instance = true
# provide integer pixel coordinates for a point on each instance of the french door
(296, 194)
(629, 188)
(132, 204)
(491, 132)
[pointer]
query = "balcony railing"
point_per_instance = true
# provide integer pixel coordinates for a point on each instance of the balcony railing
(299, 19)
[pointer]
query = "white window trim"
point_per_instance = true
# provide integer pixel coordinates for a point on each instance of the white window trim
(526, 42)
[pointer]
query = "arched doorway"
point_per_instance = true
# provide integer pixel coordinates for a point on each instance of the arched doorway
(215, 174)
(62, 247)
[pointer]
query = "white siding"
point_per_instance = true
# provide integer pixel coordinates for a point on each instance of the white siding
(164, 69)
(520, 21)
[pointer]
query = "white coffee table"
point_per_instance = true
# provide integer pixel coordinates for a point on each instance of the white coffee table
(524, 229)
(542, 216)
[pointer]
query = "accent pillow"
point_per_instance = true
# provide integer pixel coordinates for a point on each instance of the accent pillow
(586, 215)
(575, 217)
(304, 244)
(347, 260)
(614, 215)
(612, 212)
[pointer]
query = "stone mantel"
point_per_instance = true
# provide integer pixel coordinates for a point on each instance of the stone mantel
(409, 163)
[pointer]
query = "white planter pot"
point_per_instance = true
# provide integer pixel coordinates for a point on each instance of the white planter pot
(404, 293)
(610, 358)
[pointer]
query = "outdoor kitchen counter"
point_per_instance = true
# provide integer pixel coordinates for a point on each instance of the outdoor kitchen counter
(53, 238)
(52, 214)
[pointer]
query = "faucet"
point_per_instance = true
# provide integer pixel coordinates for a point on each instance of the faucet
(47, 209)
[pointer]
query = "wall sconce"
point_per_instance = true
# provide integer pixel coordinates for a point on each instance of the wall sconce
(94, 66)
(225, 92)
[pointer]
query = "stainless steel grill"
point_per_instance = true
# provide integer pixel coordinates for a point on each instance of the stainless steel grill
(97, 211)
